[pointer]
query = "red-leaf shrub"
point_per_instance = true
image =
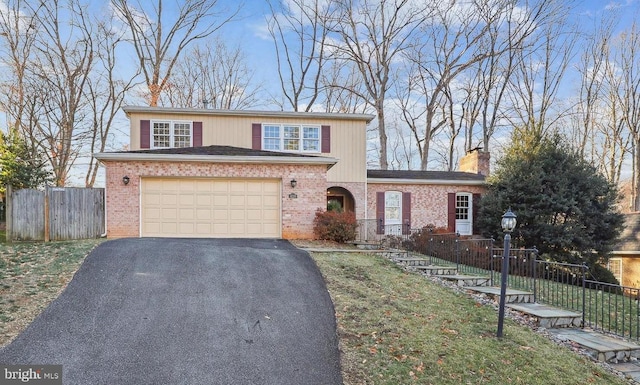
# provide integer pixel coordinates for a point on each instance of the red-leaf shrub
(335, 226)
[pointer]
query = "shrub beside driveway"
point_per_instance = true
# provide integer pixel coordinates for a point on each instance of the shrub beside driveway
(32, 274)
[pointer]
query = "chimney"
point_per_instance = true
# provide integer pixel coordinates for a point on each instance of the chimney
(476, 162)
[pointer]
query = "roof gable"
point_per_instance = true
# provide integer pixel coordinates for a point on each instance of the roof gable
(630, 237)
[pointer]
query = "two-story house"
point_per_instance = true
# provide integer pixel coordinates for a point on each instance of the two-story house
(223, 173)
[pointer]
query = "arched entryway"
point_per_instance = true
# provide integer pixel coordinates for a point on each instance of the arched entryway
(340, 197)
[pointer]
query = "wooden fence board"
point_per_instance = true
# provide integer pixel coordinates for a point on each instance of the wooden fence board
(73, 213)
(27, 215)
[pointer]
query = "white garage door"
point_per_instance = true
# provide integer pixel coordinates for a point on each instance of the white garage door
(207, 208)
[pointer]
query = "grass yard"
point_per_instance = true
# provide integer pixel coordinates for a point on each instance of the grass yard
(32, 274)
(397, 327)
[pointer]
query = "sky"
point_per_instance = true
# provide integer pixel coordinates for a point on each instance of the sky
(249, 32)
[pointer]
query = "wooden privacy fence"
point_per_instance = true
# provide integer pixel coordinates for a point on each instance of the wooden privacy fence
(58, 213)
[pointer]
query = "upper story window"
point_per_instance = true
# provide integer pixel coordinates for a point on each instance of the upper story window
(169, 134)
(291, 137)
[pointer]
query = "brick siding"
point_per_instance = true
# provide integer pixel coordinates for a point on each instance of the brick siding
(123, 202)
(428, 202)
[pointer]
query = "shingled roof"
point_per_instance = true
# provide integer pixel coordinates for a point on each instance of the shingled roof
(216, 154)
(630, 237)
(215, 150)
(425, 175)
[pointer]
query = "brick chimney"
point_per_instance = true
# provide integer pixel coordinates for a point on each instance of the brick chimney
(476, 162)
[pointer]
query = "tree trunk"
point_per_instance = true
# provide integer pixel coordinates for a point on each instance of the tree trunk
(382, 133)
(635, 203)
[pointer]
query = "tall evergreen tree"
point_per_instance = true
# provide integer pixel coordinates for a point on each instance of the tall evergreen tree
(565, 207)
(19, 165)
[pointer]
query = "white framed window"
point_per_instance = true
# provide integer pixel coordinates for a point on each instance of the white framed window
(393, 212)
(615, 266)
(291, 137)
(462, 206)
(171, 134)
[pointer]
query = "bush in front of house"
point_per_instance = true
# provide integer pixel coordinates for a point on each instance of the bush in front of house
(335, 226)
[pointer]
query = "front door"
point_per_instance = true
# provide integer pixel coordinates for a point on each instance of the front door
(464, 214)
(393, 213)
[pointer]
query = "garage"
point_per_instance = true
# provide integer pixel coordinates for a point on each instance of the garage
(210, 208)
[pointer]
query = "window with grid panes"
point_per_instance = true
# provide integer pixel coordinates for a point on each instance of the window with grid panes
(170, 134)
(291, 137)
(615, 266)
(462, 206)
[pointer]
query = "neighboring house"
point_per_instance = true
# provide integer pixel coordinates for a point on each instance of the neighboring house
(624, 262)
(222, 173)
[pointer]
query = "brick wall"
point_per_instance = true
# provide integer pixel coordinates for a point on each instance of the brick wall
(428, 202)
(476, 162)
(123, 202)
(358, 190)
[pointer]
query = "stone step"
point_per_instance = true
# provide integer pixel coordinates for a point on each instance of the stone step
(436, 270)
(512, 296)
(466, 280)
(412, 261)
(601, 347)
(397, 254)
(547, 316)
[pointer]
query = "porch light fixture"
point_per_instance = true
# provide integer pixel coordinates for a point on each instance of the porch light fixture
(294, 183)
(125, 180)
(508, 224)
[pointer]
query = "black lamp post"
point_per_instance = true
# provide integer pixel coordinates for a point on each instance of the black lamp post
(508, 224)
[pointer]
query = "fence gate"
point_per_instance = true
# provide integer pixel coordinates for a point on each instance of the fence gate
(58, 213)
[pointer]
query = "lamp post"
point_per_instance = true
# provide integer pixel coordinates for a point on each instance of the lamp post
(508, 224)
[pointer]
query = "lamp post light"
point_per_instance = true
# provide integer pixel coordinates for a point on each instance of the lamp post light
(508, 224)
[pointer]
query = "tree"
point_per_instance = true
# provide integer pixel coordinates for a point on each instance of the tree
(539, 71)
(565, 207)
(106, 92)
(56, 78)
(212, 76)
(298, 29)
(465, 43)
(18, 165)
(372, 34)
(628, 59)
(159, 38)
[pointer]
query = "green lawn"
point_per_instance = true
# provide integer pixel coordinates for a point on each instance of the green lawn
(32, 274)
(394, 327)
(397, 327)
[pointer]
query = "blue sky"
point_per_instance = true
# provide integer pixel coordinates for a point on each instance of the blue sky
(248, 31)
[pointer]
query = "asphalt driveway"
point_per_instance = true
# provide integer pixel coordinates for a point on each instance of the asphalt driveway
(196, 311)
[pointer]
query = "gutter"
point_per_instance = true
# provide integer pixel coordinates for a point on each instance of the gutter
(450, 182)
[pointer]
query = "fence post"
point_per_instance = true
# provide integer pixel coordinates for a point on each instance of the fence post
(535, 275)
(47, 237)
(584, 291)
(491, 258)
(9, 213)
(457, 256)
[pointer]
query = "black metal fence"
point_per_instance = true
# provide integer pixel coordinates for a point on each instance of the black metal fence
(612, 308)
(375, 232)
(604, 306)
